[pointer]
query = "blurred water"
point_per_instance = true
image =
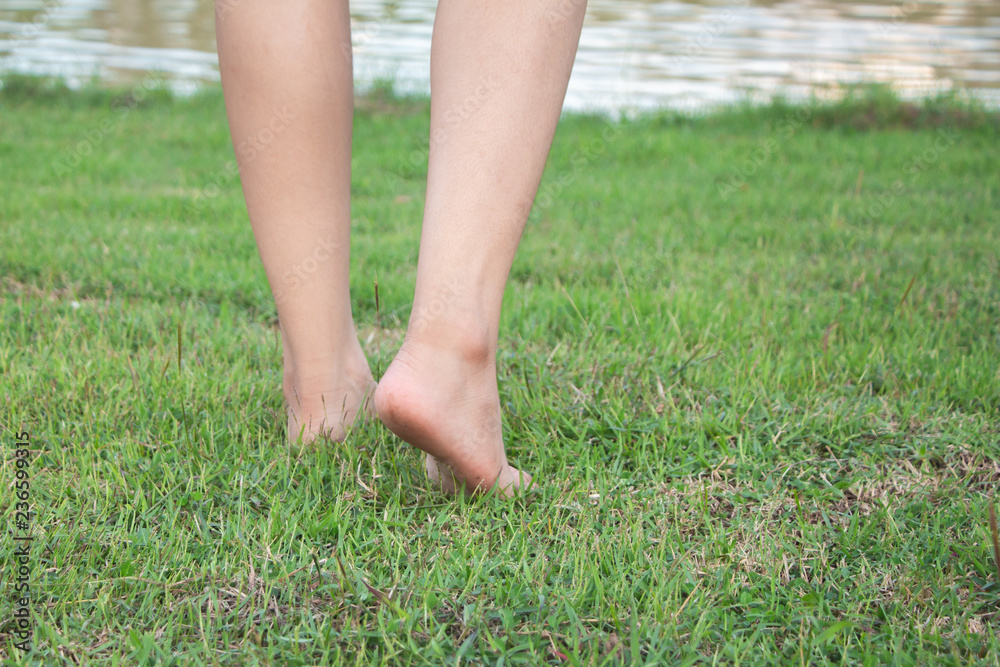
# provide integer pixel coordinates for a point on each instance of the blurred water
(633, 53)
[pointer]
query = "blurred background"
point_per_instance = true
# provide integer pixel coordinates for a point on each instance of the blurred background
(634, 54)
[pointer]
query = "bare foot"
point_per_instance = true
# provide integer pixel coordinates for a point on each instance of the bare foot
(327, 402)
(444, 400)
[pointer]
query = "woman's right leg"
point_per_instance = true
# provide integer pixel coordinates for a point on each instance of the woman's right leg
(288, 84)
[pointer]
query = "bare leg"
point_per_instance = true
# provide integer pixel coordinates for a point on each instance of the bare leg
(289, 94)
(498, 79)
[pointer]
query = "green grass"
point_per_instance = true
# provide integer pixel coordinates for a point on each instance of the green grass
(753, 356)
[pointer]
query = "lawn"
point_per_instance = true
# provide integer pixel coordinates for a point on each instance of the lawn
(753, 357)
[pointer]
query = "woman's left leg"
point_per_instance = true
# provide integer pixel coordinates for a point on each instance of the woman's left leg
(288, 84)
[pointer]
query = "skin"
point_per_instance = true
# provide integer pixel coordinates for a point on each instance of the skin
(499, 72)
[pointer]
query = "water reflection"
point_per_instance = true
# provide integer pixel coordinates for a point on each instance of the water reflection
(633, 53)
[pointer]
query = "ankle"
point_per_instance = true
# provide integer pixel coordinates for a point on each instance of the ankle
(468, 336)
(329, 374)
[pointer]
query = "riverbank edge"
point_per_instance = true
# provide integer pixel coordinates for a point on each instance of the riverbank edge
(867, 107)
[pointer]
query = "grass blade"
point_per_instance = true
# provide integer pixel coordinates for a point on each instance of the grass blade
(996, 539)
